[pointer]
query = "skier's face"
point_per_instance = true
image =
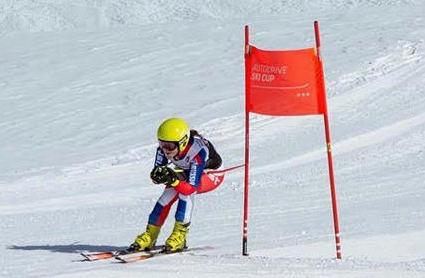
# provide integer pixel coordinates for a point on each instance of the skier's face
(171, 154)
(170, 149)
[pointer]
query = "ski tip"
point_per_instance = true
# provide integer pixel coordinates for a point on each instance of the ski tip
(97, 256)
(120, 260)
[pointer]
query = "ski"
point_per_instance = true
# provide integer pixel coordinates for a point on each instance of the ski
(95, 256)
(141, 256)
(138, 256)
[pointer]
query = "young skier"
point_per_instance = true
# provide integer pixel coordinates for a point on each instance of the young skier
(191, 154)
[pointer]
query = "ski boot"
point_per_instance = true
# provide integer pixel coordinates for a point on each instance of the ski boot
(176, 242)
(145, 241)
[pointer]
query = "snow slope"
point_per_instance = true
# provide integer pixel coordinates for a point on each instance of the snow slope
(48, 15)
(83, 87)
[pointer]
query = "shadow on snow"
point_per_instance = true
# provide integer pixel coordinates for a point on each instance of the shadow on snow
(71, 248)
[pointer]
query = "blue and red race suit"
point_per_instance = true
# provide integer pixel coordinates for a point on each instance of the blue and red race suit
(198, 155)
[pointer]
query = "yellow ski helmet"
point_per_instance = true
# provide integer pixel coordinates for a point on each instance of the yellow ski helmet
(174, 130)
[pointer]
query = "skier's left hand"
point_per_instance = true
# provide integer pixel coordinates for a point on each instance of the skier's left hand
(165, 175)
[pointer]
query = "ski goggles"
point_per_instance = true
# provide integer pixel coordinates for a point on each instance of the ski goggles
(168, 146)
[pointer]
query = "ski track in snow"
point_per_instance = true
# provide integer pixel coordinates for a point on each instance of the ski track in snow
(80, 105)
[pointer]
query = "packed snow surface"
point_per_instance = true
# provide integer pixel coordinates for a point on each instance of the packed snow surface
(84, 85)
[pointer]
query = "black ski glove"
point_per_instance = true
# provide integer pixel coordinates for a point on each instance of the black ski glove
(165, 175)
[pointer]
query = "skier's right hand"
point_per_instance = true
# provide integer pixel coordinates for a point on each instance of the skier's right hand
(157, 175)
(164, 175)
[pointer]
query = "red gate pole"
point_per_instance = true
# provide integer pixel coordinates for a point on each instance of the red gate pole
(329, 151)
(246, 179)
